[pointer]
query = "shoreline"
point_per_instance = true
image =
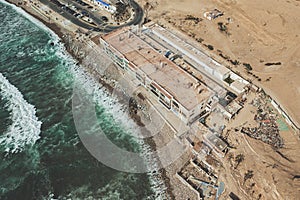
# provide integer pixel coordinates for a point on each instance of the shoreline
(61, 33)
(80, 43)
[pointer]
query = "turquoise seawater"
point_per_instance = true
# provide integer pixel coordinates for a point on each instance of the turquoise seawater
(42, 156)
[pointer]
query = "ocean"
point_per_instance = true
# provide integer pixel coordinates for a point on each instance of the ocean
(42, 156)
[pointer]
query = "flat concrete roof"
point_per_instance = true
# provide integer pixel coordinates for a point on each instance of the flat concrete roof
(181, 42)
(238, 86)
(217, 142)
(223, 70)
(233, 107)
(181, 85)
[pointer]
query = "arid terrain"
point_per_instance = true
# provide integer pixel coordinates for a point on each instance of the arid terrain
(274, 170)
(264, 35)
(259, 33)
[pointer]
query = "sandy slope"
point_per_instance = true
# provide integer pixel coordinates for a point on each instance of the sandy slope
(273, 174)
(259, 32)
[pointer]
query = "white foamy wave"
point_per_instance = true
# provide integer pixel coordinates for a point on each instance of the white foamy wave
(103, 98)
(119, 113)
(25, 128)
(121, 116)
(32, 19)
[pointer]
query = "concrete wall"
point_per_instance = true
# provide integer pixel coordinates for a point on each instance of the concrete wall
(286, 117)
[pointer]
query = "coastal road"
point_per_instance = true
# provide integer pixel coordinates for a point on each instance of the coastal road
(102, 26)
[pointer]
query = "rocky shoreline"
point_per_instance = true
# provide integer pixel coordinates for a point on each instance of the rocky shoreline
(104, 80)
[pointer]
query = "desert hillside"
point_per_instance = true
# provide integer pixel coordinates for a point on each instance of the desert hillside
(264, 34)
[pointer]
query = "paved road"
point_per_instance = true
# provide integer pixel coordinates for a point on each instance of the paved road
(103, 27)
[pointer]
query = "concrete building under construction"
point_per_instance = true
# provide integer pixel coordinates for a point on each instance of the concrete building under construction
(173, 87)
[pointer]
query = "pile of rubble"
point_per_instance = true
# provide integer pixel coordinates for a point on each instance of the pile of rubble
(122, 13)
(268, 130)
(198, 178)
(213, 14)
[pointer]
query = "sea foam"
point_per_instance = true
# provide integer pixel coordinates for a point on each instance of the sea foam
(25, 128)
(121, 116)
(32, 19)
(111, 105)
(28, 132)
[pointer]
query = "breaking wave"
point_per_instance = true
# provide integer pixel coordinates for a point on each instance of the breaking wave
(31, 18)
(25, 128)
(120, 115)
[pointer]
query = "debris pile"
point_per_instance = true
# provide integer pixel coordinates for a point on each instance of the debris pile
(122, 13)
(197, 178)
(268, 130)
(210, 15)
(192, 18)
